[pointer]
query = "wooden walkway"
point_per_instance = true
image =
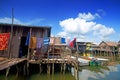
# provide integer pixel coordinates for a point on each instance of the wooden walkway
(59, 60)
(70, 61)
(6, 63)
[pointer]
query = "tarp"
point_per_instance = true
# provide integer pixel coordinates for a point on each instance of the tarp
(4, 38)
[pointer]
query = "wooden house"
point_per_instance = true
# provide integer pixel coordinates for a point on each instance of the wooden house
(119, 46)
(57, 47)
(17, 43)
(84, 47)
(81, 47)
(109, 46)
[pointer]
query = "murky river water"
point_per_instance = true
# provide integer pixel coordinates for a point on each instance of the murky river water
(108, 72)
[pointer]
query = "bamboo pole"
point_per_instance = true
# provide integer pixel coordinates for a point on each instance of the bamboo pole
(11, 35)
(28, 56)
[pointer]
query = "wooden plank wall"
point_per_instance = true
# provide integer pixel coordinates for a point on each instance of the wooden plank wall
(18, 32)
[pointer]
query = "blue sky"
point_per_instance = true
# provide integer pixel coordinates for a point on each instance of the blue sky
(88, 20)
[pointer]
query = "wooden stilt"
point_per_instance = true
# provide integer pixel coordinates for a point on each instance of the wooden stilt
(24, 69)
(7, 71)
(48, 68)
(111, 54)
(17, 71)
(75, 73)
(53, 71)
(61, 67)
(64, 68)
(53, 68)
(107, 54)
(40, 68)
(27, 68)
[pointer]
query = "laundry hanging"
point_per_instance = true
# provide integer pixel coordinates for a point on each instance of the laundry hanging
(28, 39)
(33, 42)
(46, 41)
(39, 42)
(4, 38)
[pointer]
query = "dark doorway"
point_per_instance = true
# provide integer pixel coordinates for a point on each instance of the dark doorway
(23, 48)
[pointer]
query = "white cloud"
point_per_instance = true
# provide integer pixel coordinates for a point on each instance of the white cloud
(9, 20)
(62, 34)
(17, 21)
(76, 25)
(101, 12)
(88, 16)
(102, 30)
(85, 28)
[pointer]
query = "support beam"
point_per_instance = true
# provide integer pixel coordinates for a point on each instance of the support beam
(7, 71)
(48, 68)
(64, 68)
(40, 69)
(27, 68)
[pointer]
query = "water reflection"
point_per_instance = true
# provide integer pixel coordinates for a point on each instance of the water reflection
(98, 73)
(37, 76)
(109, 72)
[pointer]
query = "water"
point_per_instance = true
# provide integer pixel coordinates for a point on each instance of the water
(100, 73)
(108, 72)
(56, 76)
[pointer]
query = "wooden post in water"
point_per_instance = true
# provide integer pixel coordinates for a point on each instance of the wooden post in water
(11, 35)
(28, 56)
(64, 68)
(100, 53)
(53, 59)
(62, 61)
(61, 68)
(17, 71)
(7, 71)
(40, 70)
(24, 69)
(48, 68)
(52, 71)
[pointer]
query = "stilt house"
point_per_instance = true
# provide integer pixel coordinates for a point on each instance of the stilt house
(16, 41)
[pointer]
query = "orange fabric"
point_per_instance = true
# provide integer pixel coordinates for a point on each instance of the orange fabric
(33, 43)
(4, 38)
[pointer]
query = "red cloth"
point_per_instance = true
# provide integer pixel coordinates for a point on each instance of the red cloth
(4, 38)
(72, 43)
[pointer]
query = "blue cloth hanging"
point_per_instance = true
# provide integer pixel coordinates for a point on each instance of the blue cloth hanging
(28, 39)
